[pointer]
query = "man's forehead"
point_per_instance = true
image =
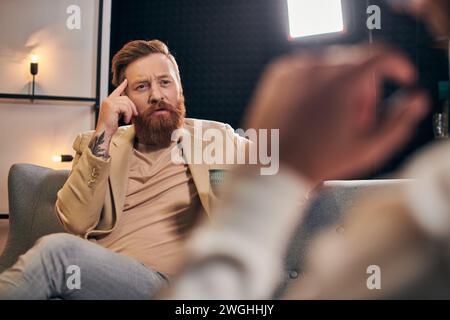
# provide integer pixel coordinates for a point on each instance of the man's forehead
(154, 65)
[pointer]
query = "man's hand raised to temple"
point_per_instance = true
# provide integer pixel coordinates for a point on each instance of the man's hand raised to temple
(325, 108)
(112, 108)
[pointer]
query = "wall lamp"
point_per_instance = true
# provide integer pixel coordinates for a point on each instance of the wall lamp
(62, 158)
(34, 68)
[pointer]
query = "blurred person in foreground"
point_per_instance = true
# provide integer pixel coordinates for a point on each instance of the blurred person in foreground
(322, 136)
(405, 231)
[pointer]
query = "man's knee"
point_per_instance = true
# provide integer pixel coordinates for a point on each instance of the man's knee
(58, 242)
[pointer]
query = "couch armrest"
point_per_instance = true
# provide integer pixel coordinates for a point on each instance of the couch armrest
(32, 194)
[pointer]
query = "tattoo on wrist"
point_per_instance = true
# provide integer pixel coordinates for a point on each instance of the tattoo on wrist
(96, 146)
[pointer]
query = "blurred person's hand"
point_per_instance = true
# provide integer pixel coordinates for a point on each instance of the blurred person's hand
(436, 13)
(325, 107)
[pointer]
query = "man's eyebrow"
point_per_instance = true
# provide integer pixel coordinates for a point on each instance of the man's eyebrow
(146, 80)
(142, 80)
(165, 75)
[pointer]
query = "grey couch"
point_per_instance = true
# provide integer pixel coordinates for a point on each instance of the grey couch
(32, 194)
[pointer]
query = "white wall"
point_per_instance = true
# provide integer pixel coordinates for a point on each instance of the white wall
(34, 132)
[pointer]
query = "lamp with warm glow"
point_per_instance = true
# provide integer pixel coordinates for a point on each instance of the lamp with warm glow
(34, 71)
(34, 58)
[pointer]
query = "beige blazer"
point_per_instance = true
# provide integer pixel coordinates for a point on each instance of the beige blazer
(91, 201)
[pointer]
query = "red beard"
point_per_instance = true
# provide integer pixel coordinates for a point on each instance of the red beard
(157, 129)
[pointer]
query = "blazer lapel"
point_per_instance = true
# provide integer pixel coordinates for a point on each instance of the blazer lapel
(200, 175)
(192, 145)
(120, 152)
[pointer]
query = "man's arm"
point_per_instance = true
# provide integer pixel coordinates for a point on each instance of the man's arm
(99, 145)
(80, 201)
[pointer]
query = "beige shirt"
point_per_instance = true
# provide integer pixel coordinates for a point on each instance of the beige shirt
(161, 205)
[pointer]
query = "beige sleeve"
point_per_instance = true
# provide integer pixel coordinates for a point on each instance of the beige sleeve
(80, 201)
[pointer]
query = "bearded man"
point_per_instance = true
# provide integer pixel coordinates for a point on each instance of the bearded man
(128, 207)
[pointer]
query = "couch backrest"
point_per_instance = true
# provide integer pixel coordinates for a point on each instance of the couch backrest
(32, 194)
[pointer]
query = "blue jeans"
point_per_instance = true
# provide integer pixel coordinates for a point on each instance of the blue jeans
(67, 267)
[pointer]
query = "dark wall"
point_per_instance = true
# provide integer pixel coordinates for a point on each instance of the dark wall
(223, 46)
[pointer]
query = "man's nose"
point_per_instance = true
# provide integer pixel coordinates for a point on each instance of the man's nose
(156, 96)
